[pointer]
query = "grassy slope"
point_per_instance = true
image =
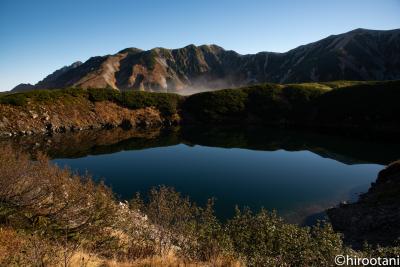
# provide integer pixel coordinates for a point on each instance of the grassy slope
(166, 103)
(338, 104)
(334, 104)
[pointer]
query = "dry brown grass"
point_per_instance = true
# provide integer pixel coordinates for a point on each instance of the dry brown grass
(10, 243)
(84, 259)
(54, 217)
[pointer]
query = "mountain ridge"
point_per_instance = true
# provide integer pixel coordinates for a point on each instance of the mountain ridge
(359, 54)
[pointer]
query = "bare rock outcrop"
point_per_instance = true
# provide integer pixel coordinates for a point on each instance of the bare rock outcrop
(61, 116)
(375, 217)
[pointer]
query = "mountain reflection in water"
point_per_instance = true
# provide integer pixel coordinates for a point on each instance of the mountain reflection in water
(298, 173)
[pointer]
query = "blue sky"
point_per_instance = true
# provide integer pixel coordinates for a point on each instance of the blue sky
(38, 37)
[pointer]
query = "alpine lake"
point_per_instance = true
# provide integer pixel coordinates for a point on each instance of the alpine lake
(297, 173)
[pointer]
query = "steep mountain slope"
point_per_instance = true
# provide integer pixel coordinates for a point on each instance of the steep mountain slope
(23, 87)
(356, 55)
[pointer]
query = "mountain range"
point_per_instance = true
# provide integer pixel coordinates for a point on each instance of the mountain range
(360, 54)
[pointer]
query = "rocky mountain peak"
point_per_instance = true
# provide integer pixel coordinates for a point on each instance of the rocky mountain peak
(360, 54)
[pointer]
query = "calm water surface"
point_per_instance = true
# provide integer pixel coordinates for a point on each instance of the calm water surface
(297, 174)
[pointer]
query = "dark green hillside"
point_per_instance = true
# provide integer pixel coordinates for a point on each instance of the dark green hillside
(371, 106)
(340, 104)
(267, 103)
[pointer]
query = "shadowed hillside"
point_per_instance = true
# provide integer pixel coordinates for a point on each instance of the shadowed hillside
(341, 107)
(365, 107)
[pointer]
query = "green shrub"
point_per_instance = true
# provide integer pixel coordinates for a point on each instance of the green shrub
(369, 104)
(218, 105)
(41, 95)
(21, 99)
(195, 230)
(269, 103)
(165, 102)
(44, 95)
(171, 213)
(341, 83)
(310, 85)
(96, 95)
(75, 92)
(78, 205)
(14, 99)
(350, 104)
(264, 239)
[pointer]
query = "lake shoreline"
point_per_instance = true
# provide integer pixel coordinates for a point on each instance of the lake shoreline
(101, 143)
(363, 110)
(357, 123)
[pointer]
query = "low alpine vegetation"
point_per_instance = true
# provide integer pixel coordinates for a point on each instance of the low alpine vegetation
(165, 102)
(53, 217)
(363, 105)
(342, 104)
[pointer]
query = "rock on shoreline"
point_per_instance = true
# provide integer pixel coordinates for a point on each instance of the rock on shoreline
(375, 217)
(77, 115)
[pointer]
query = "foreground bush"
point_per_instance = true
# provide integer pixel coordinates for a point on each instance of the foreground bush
(67, 213)
(53, 204)
(50, 216)
(39, 193)
(264, 239)
(180, 223)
